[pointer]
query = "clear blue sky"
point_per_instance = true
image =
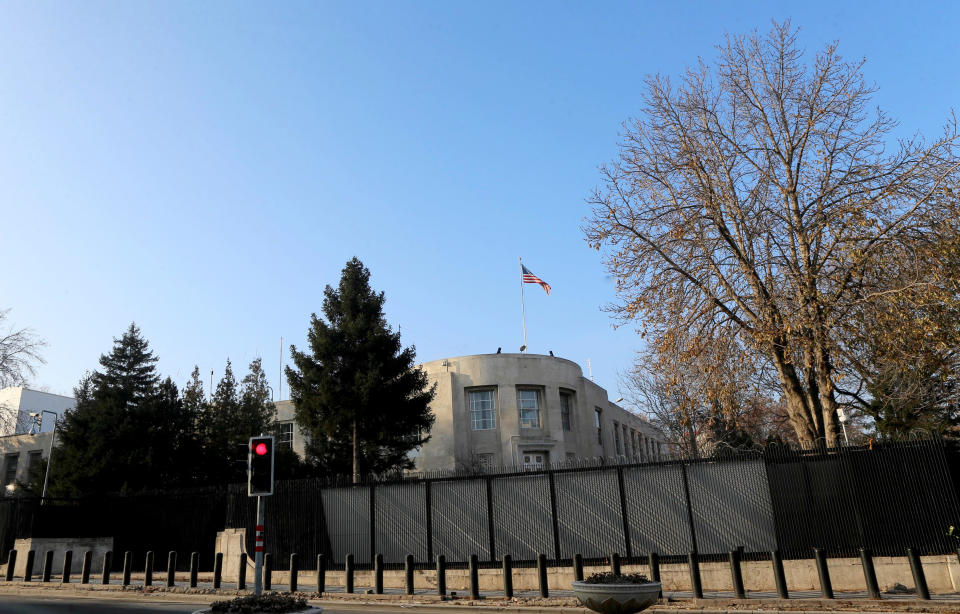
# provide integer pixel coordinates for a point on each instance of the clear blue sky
(206, 168)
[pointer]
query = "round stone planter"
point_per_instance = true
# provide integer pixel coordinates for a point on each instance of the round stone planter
(617, 598)
(310, 610)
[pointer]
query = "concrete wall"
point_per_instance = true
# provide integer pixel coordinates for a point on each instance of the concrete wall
(455, 445)
(59, 546)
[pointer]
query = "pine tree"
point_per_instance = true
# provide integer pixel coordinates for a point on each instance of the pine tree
(128, 370)
(358, 394)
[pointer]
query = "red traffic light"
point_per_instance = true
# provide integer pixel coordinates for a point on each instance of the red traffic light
(260, 449)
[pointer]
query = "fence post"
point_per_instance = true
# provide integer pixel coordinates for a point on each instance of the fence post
(242, 572)
(615, 564)
(11, 564)
(826, 588)
(28, 568)
(578, 567)
(779, 577)
(294, 570)
(507, 576)
(693, 562)
(171, 568)
(428, 506)
(686, 496)
(373, 521)
(919, 579)
(378, 574)
(542, 575)
(321, 572)
(267, 571)
(107, 564)
(67, 565)
(194, 568)
(148, 569)
(869, 573)
(217, 570)
(491, 528)
(127, 563)
(623, 513)
(408, 569)
(474, 578)
(736, 575)
(348, 574)
(654, 562)
(85, 567)
(47, 566)
(441, 575)
(554, 516)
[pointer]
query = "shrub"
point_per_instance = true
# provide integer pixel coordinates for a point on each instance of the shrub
(271, 602)
(611, 578)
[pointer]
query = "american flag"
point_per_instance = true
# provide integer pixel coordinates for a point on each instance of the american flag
(530, 278)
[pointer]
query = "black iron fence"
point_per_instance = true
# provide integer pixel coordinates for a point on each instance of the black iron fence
(883, 497)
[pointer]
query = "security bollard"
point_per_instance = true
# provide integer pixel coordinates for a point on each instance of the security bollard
(779, 577)
(474, 578)
(826, 587)
(378, 574)
(47, 566)
(408, 569)
(578, 567)
(348, 574)
(85, 567)
(267, 571)
(321, 572)
(919, 579)
(148, 569)
(654, 563)
(107, 563)
(11, 564)
(615, 563)
(194, 568)
(28, 568)
(171, 568)
(294, 570)
(736, 575)
(869, 573)
(542, 575)
(441, 575)
(508, 576)
(67, 566)
(693, 562)
(127, 564)
(242, 572)
(217, 570)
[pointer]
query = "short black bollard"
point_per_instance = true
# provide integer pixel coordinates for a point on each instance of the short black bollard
(294, 570)
(217, 570)
(508, 576)
(780, 578)
(321, 572)
(85, 567)
(107, 563)
(194, 568)
(736, 575)
(127, 564)
(267, 571)
(919, 579)
(615, 563)
(47, 566)
(869, 573)
(826, 588)
(408, 573)
(67, 566)
(148, 569)
(348, 574)
(578, 567)
(542, 575)
(441, 575)
(11, 564)
(171, 568)
(693, 562)
(653, 561)
(28, 568)
(474, 577)
(378, 574)
(242, 572)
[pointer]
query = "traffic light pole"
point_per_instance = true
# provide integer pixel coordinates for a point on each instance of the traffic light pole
(258, 555)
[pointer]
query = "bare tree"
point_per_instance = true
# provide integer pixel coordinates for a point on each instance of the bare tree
(748, 200)
(19, 353)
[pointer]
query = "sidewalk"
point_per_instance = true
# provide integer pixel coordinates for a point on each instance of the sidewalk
(562, 602)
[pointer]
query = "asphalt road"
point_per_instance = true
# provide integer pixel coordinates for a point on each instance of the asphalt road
(15, 604)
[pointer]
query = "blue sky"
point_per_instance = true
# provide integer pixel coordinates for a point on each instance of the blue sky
(206, 168)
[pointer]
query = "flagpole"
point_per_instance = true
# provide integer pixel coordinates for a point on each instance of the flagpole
(523, 307)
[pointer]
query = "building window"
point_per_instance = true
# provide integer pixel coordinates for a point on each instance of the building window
(483, 462)
(633, 442)
(285, 435)
(566, 406)
(528, 400)
(596, 415)
(534, 461)
(33, 463)
(10, 469)
(626, 441)
(482, 416)
(616, 437)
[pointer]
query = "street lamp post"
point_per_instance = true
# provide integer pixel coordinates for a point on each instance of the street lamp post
(53, 437)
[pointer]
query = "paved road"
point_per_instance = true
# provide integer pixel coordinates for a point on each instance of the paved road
(15, 604)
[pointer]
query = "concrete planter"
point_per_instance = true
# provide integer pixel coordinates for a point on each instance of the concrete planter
(309, 610)
(617, 598)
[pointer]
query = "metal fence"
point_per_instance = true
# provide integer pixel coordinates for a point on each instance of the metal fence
(884, 497)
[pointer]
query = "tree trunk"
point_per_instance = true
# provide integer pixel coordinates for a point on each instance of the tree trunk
(356, 455)
(801, 416)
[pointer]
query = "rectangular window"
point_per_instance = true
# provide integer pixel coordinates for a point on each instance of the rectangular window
(482, 416)
(10, 469)
(33, 462)
(616, 437)
(528, 400)
(285, 435)
(596, 414)
(626, 441)
(566, 406)
(484, 462)
(633, 442)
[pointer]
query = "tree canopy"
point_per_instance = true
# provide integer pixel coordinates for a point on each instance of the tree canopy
(755, 199)
(357, 392)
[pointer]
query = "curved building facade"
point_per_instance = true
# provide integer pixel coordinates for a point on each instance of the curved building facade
(526, 411)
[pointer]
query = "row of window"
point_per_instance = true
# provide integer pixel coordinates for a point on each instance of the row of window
(483, 408)
(633, 443)
(12, 461)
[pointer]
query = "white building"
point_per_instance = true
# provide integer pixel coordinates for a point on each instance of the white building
(17, 403)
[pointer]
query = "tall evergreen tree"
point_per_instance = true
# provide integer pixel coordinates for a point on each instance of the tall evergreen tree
(357, 393)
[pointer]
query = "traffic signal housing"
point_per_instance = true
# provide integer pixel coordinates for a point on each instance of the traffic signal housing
(260, 466)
